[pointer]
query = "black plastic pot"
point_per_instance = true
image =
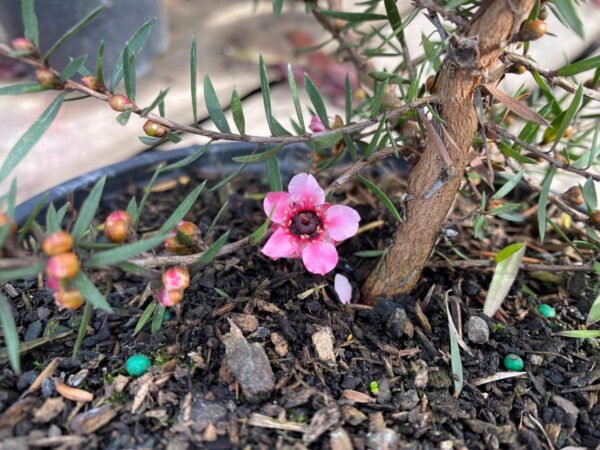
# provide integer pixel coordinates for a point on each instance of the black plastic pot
(216, 162)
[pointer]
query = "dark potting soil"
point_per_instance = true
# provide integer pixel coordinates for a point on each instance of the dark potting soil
(260, 354)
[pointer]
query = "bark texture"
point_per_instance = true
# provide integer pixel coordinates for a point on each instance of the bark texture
(492, 29)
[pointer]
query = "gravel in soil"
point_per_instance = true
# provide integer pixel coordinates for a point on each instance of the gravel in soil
(260, 354)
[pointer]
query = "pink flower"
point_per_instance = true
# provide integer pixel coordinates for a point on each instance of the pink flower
(316, 126)
(307, 227)
(342, 288)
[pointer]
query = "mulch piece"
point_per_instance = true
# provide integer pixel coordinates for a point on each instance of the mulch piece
(343, 377)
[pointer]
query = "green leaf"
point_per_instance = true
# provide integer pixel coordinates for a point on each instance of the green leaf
(181, 210)
(370, 253)
(579, 334)
(378, 98)
(132, 207)
(31, 217)
(11, 335)
(217, 217)
(100, 63)
(145, 317)
(580, 66)
(91, 292)
(543, 202)
(124, 252)
(505, 274)
(381, 196)
(18, 89)
(375, 139)
(159, 318)
(74, 29)
(187, 160)
(510, 184)
(85, 320)
(258, 157)
(594, 314)
(228, 178)
(21, 273)
(393, 16)
(569, 115)
(30, 22)
(147, 140)
(173, 137)
(129, 73)
(317, 100)
(52, 222)
(295, 97)
(72, 68)
(213, 250)
(147, 191)
(353, 16)
(159, 98)
(586, 160)
(214, 107)
(277, 5)
(123, 118)
(193, 80)
(274, 126)
(348, 97)
(274, 174)
(31, 136)
(455, 360)
(88, 210)
(238, 112)
(567, 13)
(135, 44)
(514, 154)
(589, 194)
(10, 210)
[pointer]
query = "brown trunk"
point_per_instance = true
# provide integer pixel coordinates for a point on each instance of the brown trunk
(399, 270)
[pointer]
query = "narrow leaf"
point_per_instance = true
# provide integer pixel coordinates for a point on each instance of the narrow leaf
(145, 317)
(594, 314)
(21, 273)
(11, 335)
(295, 97)
(258, 157)
(214, 107)
(215, 221)
(213, 250)
(135, 44)
(277, 5)
(238, 112)
(353, 16)
(88, 210)
(74, 29)
(91, 292)
(193, 80)
(510, 184)
(515, 105)
(159, 318)
(381, 196)
(31, 217)
(580, 66)
(455, 360)
(159, 98)
(72, 68)
(124, 252)
(589, 194)
(317, 100)
(579, 334)
(568, 14)
(569, 115)
(187, 160)
(504, 277)
(100, 63)
(31, 137)
(129, 73)
(30, 22)
(274, 126)
(18, 89)
(348, 98)
(543, 202)
(274, 174)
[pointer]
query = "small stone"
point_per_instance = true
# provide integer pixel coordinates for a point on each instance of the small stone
(408, 400)
(478, 330)
(250, 366)
(247, 322)
(48, 387)
(92, 420)
(280, 343)
(260, 334)
(397, 322)
(137, 365)
(78, 378)
(513, 362)
(204, 412)
(384, 439)
(26, 379)
(34, 331)
(535, 360)
(384, 394)
(547, 311)
(353, 415)
(439, 379)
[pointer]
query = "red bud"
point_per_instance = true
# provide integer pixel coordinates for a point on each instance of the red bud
(117, 226)
(65, 265)
(120, 103)
(57, 243)
(177, 278)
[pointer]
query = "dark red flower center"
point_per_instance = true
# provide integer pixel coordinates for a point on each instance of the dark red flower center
(306, 223)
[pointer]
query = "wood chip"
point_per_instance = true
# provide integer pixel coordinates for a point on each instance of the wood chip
(92, 420)
(247, 322)
(71, 393)
(51, 408)
(340, 440)
(47, 372)
(323, 342)
(262, 421)
(16, 412)
(357, 397)
(325, 419)
(281, 345)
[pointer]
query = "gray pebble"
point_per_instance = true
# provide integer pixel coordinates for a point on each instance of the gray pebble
(478, 330)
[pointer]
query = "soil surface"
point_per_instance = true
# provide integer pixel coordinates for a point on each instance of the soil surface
(260, 354)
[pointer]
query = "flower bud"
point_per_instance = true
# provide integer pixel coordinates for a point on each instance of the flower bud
(12, 226)
(532, 30)
(574, 196)
(117, 226)
(595, 217)
(54, 284)
(71, 298)
(169, 298)
(90, 82)
(316, 125)
(120, 103)
(174, 245)
(518, 68)
(47, 78)
(57, 243)
(175, 279)
(23, 45)
(155, 129)
(65, 265)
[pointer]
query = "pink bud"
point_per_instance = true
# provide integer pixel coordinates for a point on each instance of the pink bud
(47, 78)
(57, 243)
(169, 298)
(175, 279)
(117, 226)
(316, 126)
(65, 265)
(54, 284)
(120, 103)
(23, 45)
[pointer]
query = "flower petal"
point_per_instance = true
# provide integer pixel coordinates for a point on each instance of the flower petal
(316, 126)
(341, 222)
(342, 288)
(281, 202)
(319, 257)
(304, 189)
(280, 245)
